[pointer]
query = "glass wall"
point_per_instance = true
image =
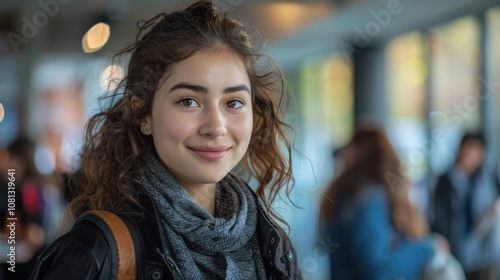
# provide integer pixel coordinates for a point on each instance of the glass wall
(407, 102)
(324, 101)
(455, 109)
(327, 97)
(407, 98)
(492, 81)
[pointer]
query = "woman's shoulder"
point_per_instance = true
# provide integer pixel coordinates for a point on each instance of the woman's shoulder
(84, 250)
(366, 202)
(371, 193)
(89, 238)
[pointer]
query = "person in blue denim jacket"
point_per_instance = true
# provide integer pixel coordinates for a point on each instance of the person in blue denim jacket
(367, 212)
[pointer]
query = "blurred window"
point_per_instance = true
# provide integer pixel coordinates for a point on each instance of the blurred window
(324, 103)
(326, 97)
(455, 107)
(493, 79)
(406, 83)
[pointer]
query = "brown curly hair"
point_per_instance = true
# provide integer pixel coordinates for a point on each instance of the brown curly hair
(111, 157)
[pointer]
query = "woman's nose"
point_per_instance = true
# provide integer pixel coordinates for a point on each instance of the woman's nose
(213, 123)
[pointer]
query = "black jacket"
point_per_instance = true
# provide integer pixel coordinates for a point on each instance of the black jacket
(88, 252)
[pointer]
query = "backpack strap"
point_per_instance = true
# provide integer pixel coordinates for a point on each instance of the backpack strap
(124, 243)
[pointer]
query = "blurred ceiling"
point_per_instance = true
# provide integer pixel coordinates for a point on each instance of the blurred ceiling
(61, 23)
(296, 28)
(340, 31)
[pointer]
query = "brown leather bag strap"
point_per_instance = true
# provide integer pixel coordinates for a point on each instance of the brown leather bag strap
(124, 244)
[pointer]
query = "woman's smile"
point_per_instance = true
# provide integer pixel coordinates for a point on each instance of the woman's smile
(210, 153)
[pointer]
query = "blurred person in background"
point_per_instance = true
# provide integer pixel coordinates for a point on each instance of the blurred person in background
(367, 212)
(30, 208)
(466, 209)
(342, 159)
(199, 101)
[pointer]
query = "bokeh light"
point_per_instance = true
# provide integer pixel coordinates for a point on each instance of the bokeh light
(111, 76)
(96, 37)
(2, 112)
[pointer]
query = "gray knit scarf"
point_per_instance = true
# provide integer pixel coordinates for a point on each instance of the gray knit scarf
(206, 247)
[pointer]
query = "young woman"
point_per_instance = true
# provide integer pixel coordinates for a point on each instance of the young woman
(367, 211)
(199, 102)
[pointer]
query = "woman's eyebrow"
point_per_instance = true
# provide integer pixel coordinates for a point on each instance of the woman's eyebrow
(237, 88)
(192, 87)
(202, 89)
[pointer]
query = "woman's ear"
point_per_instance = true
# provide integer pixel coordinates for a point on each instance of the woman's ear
(144, 123)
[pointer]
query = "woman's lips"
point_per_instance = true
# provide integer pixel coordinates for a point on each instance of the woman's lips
(210, 153)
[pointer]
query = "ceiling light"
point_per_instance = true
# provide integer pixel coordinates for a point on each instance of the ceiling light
(96, 37)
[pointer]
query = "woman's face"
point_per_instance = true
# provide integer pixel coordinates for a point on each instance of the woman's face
(202, 120)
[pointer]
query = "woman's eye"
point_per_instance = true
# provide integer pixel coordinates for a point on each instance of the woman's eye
(188, 102)
(234, 104)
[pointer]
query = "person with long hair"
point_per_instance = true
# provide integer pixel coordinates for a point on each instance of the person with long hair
(201, 110)
(367, 212)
